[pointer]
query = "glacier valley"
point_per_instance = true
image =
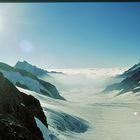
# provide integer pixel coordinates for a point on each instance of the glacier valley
(88, 113)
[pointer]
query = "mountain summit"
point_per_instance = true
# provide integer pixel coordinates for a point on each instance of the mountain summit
(134, 69)
(30, 68)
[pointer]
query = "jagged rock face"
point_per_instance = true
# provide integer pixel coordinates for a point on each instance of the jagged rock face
(17, 111)
(11, 129)
(33, 105)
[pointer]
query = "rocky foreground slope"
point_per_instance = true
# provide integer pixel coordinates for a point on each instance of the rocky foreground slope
(17, 113)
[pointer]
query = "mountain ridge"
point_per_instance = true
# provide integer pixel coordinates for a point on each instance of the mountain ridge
(27, 80)
(34, 69)
(130, 83)
(30, 68)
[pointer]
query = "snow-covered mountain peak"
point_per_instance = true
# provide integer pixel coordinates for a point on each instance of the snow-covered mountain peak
(132, 70)
(30, 68)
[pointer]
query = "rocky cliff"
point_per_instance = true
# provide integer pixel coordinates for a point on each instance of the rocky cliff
(17, 112)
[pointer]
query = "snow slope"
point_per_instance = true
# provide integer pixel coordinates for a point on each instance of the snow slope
(43, 129)
(61, 123)
(107, 117)
(29, 81)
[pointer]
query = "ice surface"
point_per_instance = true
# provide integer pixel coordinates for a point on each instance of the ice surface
(109, 117)
(43, 129)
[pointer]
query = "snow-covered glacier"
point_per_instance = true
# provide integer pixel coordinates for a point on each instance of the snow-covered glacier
(88, 114)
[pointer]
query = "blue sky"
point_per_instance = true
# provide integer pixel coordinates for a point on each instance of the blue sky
(70, 35)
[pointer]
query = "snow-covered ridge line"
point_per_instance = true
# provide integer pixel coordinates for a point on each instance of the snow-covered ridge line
(29, 81)
(30, 68)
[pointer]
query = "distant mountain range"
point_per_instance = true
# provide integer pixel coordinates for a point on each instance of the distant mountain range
(26, 77)
(130, 83)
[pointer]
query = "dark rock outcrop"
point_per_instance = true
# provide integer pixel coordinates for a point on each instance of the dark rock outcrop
(17, 112)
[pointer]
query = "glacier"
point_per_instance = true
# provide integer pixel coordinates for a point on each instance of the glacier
(99, 116)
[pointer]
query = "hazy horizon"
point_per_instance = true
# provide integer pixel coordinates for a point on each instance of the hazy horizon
(70, 35)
